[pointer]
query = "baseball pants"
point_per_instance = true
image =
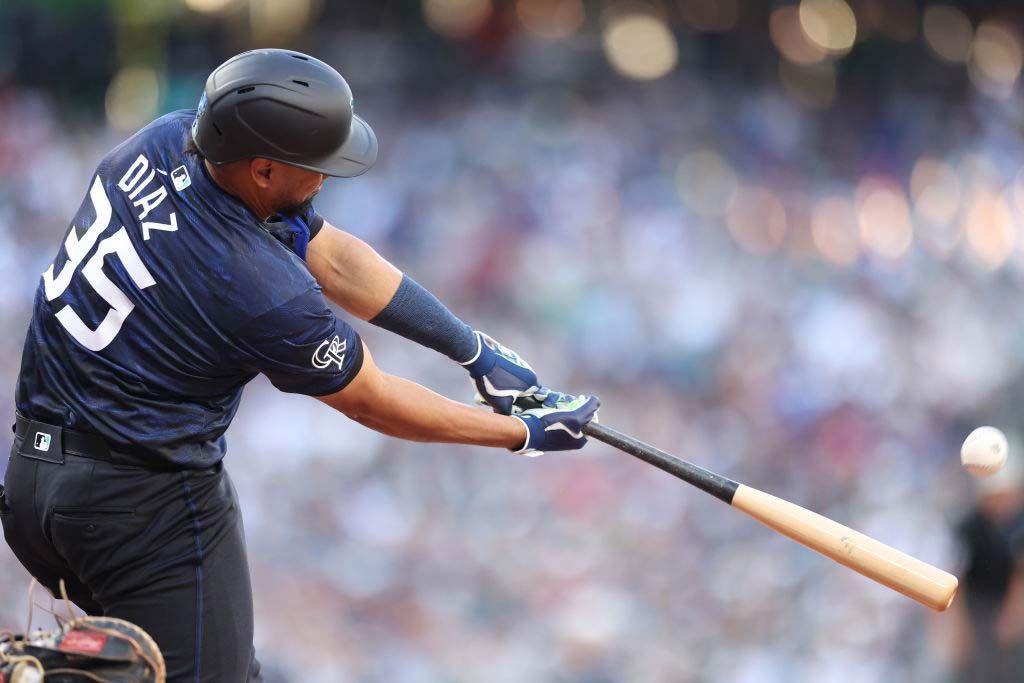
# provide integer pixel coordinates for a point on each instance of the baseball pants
(162, 549)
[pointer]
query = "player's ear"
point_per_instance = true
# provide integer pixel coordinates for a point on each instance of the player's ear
(261, 171)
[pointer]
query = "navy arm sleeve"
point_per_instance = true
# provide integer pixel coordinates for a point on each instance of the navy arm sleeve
(416, 314)
(302, 347)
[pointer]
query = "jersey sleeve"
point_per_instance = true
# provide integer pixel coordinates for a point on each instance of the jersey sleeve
(302, 347)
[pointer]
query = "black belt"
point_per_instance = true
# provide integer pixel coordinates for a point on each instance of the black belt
(48, 442)
(74, 442)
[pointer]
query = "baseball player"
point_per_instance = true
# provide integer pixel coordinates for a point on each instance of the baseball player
(196, 262)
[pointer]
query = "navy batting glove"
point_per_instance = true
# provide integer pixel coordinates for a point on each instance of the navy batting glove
(500, 375)
(557, 425)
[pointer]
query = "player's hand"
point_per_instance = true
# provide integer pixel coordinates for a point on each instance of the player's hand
(556, 424)
(500, 375)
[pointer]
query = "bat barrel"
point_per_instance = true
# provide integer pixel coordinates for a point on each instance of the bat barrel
(905, 574)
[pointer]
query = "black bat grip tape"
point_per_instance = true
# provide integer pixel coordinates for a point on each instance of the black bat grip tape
(718, 486)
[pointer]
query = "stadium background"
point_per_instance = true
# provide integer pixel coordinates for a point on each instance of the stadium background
(783, 240)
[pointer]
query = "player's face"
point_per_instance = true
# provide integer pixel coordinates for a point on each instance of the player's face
(291, 187)
(283, 188)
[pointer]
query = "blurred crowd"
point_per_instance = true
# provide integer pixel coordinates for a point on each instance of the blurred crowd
(818, 298)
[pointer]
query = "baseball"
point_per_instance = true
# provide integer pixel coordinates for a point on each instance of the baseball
(984, 451)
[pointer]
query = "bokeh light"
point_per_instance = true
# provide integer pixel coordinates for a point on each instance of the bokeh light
(989, 227)
(948, 32)
(935, 189)
(756, 219)
(812, 85)
(789, 38)
(211, 6)
(706, 182)
(551, 19)
(829, 24)
(456, 18)
(275, 23)
(710, 16)
(834, 230)
(996, 59)
(132, 97)
(640, 46)
(884, 217)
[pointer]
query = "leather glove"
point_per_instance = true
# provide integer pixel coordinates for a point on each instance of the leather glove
(500, 375)
(556, 424)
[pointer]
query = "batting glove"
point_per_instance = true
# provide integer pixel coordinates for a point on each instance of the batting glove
(500, 375)
(557, 424)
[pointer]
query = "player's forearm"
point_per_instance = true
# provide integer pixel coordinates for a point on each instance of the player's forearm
(415, 413)
(397, 407)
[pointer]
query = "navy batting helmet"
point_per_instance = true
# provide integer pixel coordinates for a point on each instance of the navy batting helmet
(286, 106)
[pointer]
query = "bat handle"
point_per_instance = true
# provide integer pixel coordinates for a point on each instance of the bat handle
(720, 487)
(624, 442)
(612, 437)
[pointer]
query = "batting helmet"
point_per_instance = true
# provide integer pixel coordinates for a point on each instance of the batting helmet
(286, 106)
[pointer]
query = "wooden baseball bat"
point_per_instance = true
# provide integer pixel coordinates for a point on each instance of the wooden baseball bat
(908, 575)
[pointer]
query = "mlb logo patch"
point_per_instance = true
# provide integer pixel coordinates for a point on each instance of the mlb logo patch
(180, 178)
(42, 441)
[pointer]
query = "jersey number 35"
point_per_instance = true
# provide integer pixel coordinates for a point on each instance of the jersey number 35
(77, 249)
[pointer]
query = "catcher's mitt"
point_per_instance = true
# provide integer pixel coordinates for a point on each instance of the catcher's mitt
(84, 650)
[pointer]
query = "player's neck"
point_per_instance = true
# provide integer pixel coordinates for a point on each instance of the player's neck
(235, 182)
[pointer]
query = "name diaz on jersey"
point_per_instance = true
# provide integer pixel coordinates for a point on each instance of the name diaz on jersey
(138, 184)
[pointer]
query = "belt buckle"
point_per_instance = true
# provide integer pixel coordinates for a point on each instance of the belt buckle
(43, 442)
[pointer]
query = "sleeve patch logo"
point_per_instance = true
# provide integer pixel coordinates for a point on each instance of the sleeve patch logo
(330, 352)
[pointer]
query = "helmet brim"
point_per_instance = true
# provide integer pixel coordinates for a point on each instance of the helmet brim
(353, 158)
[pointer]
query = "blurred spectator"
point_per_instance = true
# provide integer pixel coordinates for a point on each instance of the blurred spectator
(988, 615)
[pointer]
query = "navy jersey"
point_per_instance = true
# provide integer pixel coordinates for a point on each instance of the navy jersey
(167, 296)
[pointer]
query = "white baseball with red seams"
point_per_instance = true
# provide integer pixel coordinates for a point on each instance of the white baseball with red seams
(984, 451)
